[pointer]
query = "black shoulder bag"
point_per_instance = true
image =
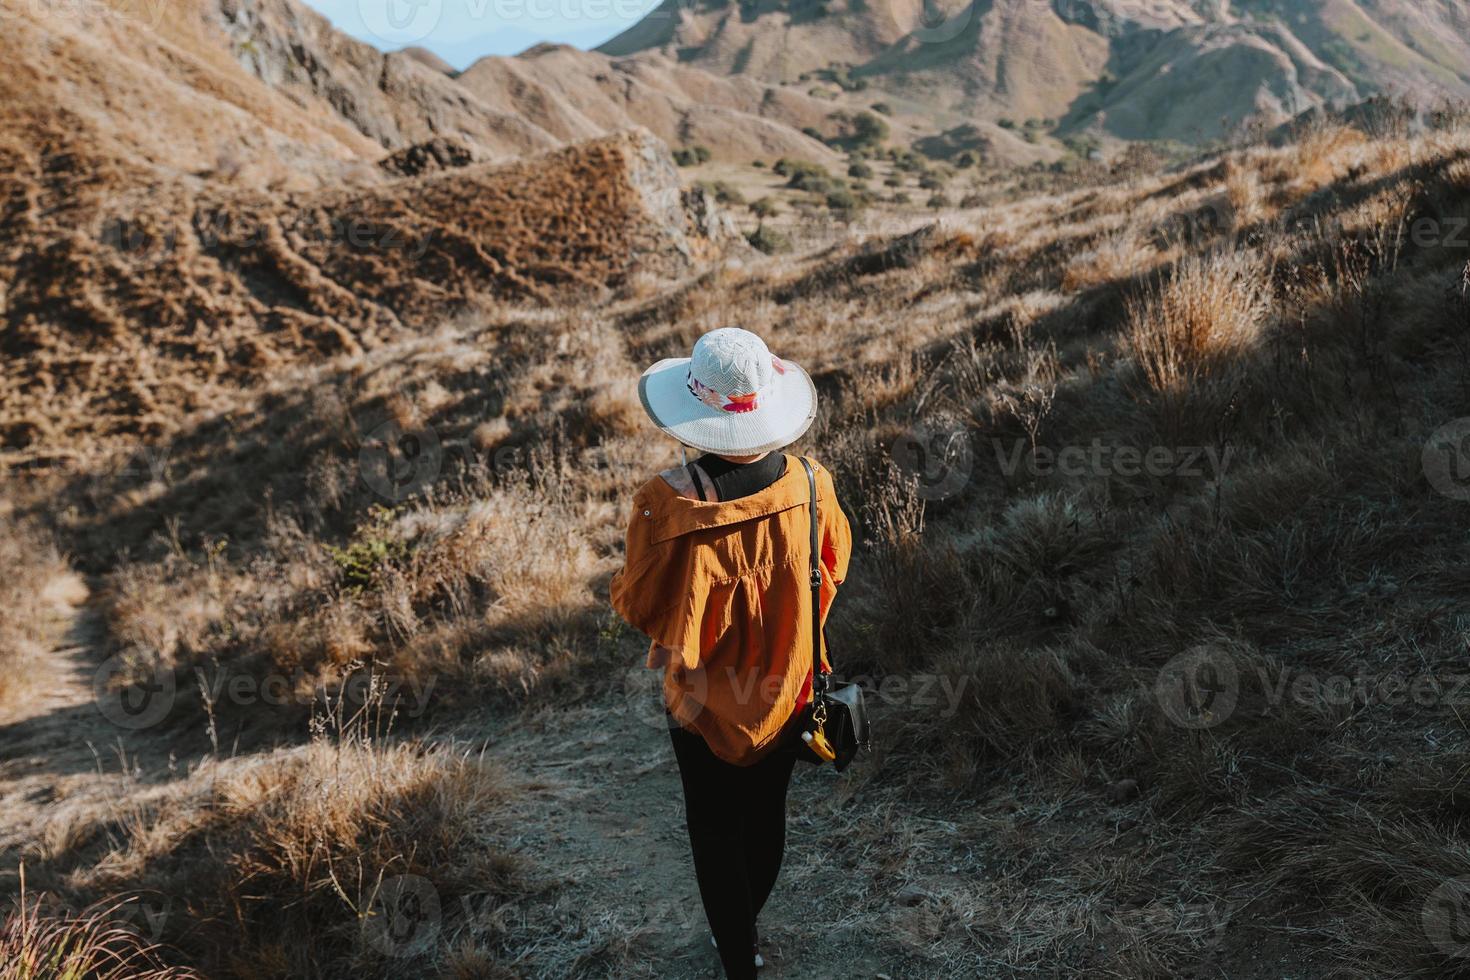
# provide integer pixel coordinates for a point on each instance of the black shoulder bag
(836, 717)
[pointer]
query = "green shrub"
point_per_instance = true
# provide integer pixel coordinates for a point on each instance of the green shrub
(860, 170)
(371, 549)
(765, 207)
(768, 240)
(723, 192)
(909, 163)
(938, 201)
(811, 177)
(868, 129)
(842, 199)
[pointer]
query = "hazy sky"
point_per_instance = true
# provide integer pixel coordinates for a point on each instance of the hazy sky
(459, 31)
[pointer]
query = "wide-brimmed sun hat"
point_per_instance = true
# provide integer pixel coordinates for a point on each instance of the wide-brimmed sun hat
(733, 396)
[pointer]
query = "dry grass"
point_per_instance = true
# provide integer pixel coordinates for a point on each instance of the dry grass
(1207, 315)
(1059, 819)
(1190, 333)
(36, 945)
(347, 855)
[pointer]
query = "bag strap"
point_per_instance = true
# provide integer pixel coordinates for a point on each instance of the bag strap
(693, 472)
(819, 678)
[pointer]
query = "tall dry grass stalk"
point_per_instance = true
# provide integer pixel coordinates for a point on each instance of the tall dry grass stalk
(89, 945)
(1192, 327)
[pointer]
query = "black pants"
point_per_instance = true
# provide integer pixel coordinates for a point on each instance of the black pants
(737, 830)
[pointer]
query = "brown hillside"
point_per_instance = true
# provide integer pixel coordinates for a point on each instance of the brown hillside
(125, 309)
(90, 80)
(505, 107)
(576, 94)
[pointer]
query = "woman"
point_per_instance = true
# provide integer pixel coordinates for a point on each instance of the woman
(716, 573)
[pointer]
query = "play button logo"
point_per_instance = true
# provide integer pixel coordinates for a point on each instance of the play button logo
(400, 22)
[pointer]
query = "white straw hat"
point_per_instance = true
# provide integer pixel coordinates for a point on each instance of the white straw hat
(733, 396)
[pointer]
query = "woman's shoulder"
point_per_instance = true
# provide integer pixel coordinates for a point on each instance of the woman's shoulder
(677, 479)
(657, 488)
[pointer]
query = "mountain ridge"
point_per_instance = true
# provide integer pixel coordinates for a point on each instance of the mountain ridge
(1100, 64)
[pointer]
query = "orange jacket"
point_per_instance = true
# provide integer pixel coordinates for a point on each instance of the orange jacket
(723, 589)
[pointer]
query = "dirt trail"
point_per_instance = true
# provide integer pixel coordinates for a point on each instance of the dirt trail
(606, 808)
(59, 756)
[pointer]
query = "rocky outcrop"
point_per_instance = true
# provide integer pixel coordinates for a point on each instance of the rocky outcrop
(440, 153)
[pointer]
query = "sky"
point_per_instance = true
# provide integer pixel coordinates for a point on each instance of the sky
(459, 31)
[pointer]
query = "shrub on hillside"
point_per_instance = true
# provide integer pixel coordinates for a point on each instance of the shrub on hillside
(723, 192)
(765, 207)
(692, 156)
(768, 240)
(843, 199)
(868, 129)
(811, 177)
